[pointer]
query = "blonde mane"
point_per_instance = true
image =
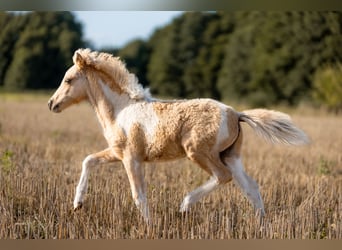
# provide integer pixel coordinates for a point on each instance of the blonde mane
(115, 69)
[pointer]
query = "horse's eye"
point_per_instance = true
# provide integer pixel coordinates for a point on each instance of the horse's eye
(68, 80)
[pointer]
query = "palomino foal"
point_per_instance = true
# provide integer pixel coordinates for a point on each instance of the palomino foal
(141, 129)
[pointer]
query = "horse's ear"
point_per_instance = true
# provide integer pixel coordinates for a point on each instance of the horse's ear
(79, 60)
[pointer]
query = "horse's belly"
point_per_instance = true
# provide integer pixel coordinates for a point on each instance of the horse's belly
(164, 150)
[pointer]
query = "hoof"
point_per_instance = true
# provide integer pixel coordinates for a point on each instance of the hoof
(185, 207)
(78, 206)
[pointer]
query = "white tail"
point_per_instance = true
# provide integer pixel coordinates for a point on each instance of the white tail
(274, 126)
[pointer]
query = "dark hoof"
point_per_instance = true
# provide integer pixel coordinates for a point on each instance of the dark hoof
(78, 206)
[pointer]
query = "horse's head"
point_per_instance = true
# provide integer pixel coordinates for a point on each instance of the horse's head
(72, 89)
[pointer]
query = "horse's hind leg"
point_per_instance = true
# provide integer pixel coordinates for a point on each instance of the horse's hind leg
(247, 184)
(232, 159)
(198, 193)
(213, 165)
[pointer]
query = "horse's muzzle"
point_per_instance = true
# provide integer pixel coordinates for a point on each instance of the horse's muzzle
(52, 107)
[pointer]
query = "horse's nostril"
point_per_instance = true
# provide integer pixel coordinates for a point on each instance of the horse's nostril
(56, 107)
(50, 104)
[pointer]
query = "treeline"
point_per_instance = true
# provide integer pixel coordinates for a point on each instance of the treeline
(260, 58)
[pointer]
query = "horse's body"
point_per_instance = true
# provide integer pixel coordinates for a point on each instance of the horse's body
(141, 129)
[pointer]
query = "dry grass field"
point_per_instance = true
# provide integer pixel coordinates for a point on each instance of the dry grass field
(40, 164)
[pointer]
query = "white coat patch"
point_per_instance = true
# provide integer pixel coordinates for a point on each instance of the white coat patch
(141, 113)
(223, 132)
(137, 112)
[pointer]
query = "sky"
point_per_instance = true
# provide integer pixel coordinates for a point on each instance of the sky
(116, 28)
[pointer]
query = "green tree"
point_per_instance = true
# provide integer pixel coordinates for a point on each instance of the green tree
(181, 63)
(327, 87)
(11, 27)
(136, 56)
(271, 57)
(201, 66)
(43, 50)
(163, 70)
(236, 70)
(201, 77)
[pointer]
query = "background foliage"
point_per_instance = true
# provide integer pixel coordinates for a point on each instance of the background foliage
(36, 48)
(259, 58)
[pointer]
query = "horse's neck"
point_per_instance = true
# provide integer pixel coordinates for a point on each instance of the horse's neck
(106, 102)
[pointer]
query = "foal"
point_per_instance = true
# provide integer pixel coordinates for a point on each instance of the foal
(139, 128)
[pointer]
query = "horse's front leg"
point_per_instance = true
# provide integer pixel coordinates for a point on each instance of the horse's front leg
(135, 175)
(90, 161)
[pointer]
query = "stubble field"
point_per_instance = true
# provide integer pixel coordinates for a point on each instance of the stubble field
(40, 164)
